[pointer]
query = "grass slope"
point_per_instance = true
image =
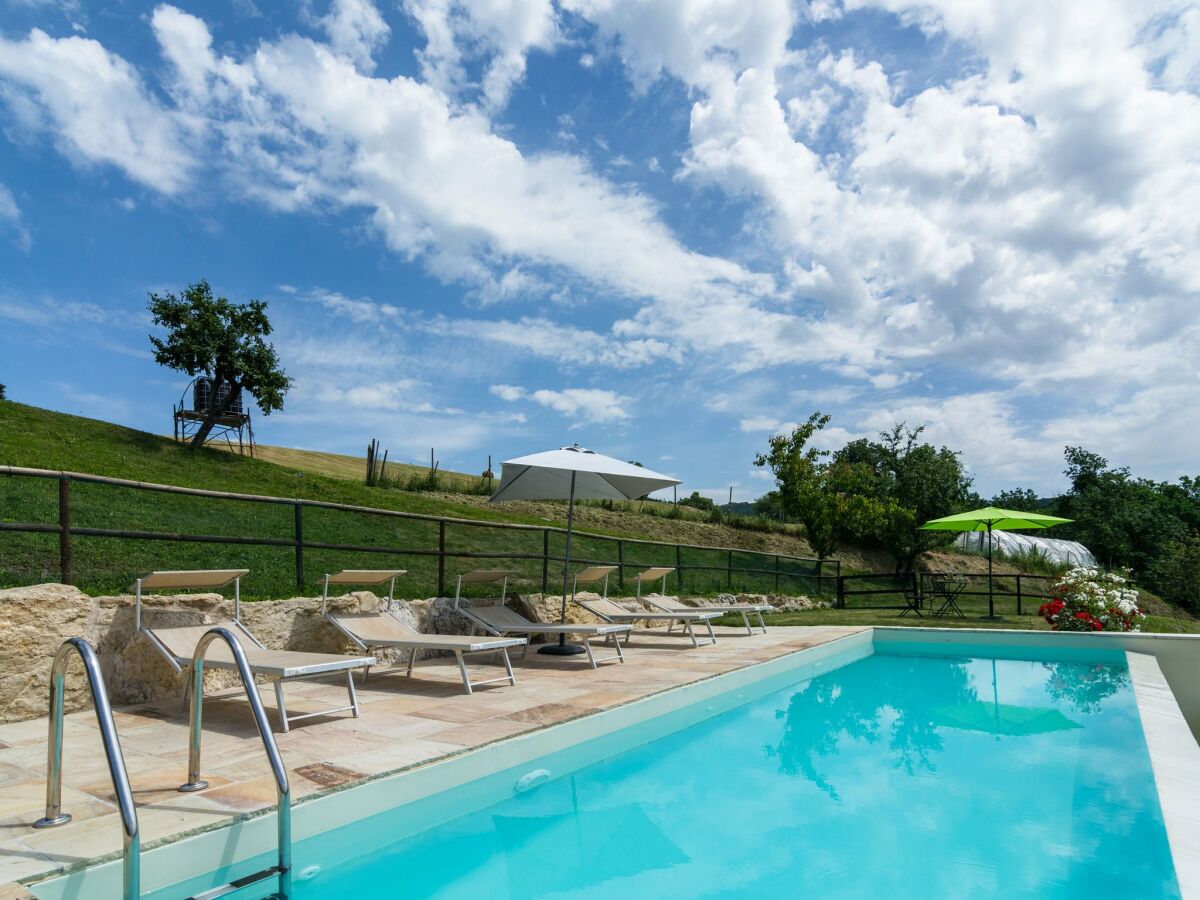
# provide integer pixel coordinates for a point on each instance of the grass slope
(39, 438)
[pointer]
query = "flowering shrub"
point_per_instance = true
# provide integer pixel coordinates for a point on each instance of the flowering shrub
(1086, 599)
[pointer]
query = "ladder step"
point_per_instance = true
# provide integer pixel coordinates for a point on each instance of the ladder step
(237, 884)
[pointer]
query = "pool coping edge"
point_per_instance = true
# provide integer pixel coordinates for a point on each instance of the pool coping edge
(1175, 762)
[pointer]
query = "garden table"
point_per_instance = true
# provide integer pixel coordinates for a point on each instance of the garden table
(948, 589)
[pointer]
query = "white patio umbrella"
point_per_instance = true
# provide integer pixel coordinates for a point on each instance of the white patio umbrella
(566, 474)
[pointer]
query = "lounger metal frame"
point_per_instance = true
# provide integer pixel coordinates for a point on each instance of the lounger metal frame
(484, 576)
(746, 611)
(414, 651)
(684, 619)
(301, 672)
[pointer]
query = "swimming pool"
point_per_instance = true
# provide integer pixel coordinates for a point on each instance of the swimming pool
(915, 771)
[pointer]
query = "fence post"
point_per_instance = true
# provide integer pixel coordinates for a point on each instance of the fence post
(442, 558)
(729, 571)
(545, 560)
(299, 536)
(841, 591)
(620, 564)
(1018, 594)
(777, 574)
(64, 530)
(679, 567)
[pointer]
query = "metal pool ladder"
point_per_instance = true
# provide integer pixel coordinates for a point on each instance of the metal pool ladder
(282, 870)
(112, 749)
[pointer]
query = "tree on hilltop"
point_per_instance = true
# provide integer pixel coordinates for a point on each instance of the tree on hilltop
(225, 341)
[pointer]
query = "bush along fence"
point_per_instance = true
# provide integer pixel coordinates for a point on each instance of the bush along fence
(100, 533)
(1013, 592)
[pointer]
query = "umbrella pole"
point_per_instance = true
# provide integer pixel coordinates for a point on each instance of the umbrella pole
(991, 582)
(991, 608)
(562, 648)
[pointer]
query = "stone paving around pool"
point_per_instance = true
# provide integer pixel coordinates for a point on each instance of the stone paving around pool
(404, 722)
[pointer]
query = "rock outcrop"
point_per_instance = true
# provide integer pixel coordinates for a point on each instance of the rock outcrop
(35, 620)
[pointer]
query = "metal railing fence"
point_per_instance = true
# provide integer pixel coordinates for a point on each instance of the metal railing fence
(99, 532)
(886, 591)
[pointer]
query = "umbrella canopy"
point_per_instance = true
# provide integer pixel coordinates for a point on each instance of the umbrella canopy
(549, 476)
(985, 520)
(568, 473)
(992, 517)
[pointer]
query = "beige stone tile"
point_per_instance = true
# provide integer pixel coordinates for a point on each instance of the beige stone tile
(545, 714)
(602, 699)
(36, 731)
(460, 714)
(326, 775)
(479, 733)
(250, 795)
(151, 787)
(331, 745)
(400, 756)
(13, 891)
(10, 773)
(17, 861)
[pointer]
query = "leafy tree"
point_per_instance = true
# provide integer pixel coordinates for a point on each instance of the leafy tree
(769, 506)
(1021, 499)
(910, 483)
(802, 476)
(1125, 521)
(1176, 573)
(698, 501)
(226, 341)
(3, 393)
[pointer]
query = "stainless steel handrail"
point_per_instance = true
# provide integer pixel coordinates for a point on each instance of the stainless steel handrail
(282, 789)
(112, 749)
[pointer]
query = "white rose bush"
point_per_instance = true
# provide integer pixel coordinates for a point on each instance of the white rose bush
(1086, 599)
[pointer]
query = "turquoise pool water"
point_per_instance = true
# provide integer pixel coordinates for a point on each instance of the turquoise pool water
(901, 775)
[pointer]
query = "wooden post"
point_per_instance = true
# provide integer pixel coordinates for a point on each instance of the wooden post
(679, 567)
(299, 535)
(64, 529)
(777, 575)
(545, 560)
(620, 564)
(841, 592)
(441, 557)
(1018, 594)
(729, 564)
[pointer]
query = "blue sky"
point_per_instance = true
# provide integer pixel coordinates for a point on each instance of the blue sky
(660, 229)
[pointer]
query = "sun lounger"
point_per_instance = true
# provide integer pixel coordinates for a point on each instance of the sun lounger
(616, 614)
(653, 574)
(498, 619)
(385, 629)
(178, 644)
(746, 610)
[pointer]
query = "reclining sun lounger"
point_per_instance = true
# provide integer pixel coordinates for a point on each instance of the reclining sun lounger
(667, 604)
(615, 613)
(177, 644)
(653, 574)
(385, 629)
(498, 619)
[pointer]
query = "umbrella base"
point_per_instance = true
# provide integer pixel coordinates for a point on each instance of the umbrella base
(561, 649)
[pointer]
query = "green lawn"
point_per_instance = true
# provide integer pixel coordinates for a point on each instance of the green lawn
(975, 608)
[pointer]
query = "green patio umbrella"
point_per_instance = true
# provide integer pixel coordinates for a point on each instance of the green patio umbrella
(987, 519)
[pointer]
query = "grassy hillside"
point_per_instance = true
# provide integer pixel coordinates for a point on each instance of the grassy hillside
(39, 438)
(352, 468)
